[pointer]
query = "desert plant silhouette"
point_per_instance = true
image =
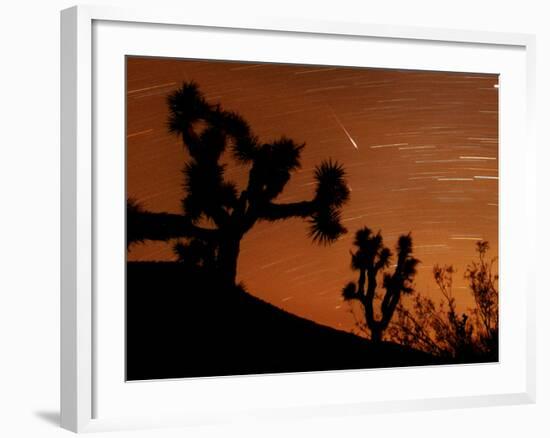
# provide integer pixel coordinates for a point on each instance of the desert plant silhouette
(483, 284)
(216, 215)
(439, 330)
(370, 259)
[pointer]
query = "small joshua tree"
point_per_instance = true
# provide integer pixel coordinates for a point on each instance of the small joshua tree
(371, 259)
(215, 213)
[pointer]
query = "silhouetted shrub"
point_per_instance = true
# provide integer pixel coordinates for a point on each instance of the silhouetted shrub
(439, 330)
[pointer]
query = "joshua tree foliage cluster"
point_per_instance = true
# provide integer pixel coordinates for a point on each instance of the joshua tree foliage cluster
(371, 259)
(215, 213)
(439, 330)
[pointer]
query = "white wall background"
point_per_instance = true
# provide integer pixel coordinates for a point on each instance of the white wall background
(29, 217)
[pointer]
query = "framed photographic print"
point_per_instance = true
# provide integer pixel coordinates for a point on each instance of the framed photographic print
(260, 218)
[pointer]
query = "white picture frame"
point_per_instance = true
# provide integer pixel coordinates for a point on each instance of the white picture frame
(80, 369)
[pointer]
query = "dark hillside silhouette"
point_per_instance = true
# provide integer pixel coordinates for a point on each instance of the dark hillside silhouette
(177, 329)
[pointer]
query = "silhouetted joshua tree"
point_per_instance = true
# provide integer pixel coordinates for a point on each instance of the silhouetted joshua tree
(371, 259)
(214, 210)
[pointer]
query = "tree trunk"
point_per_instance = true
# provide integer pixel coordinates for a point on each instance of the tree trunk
(376, 333)
(388, 311)
(227, 260)
(361, 282)
(369, 306)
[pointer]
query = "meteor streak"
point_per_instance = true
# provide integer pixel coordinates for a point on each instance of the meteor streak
(344, 129)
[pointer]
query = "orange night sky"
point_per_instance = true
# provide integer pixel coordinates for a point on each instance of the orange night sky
(420, 150)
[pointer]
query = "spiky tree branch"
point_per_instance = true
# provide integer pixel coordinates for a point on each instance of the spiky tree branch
(143, 225)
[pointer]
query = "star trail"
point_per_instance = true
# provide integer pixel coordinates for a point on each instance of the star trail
(420, 150)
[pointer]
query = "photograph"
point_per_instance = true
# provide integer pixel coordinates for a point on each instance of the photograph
(286, 218)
